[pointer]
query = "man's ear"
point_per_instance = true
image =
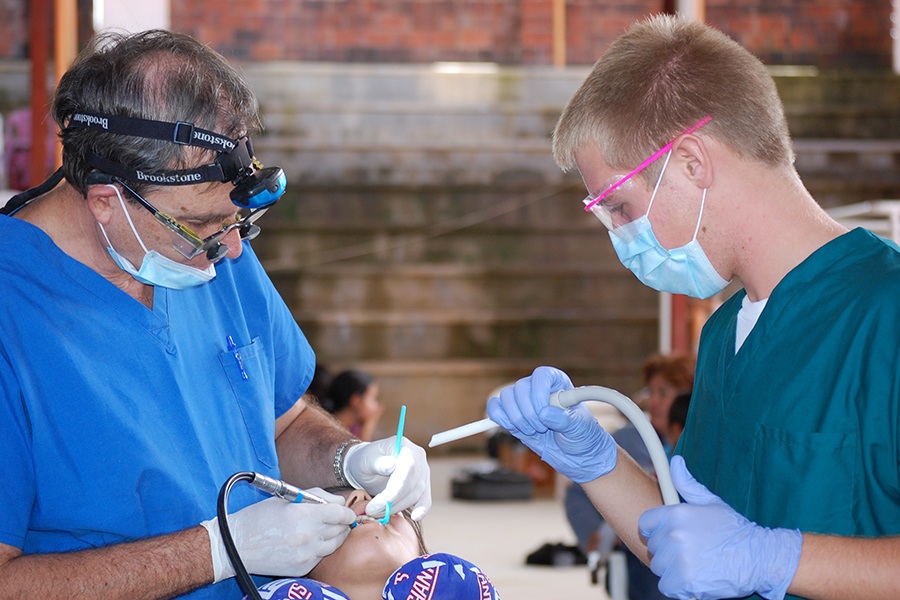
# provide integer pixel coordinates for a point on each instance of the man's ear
(102, 202)
(695, 157)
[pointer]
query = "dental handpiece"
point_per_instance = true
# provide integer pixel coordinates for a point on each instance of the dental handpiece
(290, 493)
(284, 490)
(568, 398)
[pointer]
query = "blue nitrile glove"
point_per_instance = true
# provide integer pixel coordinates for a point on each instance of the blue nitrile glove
(571, 441)
(704, 549)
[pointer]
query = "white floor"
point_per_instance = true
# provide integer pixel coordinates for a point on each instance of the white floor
(497, 536)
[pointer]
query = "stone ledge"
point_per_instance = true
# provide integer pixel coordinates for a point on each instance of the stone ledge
(484, 366)
(449, 270)
(444, 317)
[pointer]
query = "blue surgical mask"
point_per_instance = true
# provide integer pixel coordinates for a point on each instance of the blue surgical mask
(684, 270)
(157, 269)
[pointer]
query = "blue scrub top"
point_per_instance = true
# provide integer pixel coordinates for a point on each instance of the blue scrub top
(120, 422)
(801, 428)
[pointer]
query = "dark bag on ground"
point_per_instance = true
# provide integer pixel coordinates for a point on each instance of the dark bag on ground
(495, 484)
(556, 555)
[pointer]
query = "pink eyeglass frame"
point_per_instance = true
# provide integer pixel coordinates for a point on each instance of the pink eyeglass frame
(645, 164)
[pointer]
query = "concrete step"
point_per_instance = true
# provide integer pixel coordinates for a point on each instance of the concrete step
(819, 154)
(437, 288)
(849, 105)
(303, 250)
(521, 199)
(514, 333)
(847, 171)
(535, 226)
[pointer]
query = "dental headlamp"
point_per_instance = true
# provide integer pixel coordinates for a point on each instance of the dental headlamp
(255, 186)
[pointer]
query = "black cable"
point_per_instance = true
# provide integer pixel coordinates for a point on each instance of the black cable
(23, 198)
(240, 571)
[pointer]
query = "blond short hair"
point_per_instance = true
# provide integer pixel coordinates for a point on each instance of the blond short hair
(660, 77)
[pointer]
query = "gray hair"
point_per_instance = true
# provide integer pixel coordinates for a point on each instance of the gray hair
(156, 75)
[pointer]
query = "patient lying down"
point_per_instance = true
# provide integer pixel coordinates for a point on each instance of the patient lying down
(384, 562)
(372, 551)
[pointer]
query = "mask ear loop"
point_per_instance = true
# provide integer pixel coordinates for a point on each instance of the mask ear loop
(658, 182)
(700, 218)
(127, 216)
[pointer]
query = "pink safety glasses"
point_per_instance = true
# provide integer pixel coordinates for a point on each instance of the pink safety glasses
(592, 201)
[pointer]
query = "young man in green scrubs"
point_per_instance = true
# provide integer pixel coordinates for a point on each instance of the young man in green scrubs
(681, 140)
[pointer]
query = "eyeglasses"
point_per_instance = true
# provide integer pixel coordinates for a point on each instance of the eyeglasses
(612, 214)
(189, 244)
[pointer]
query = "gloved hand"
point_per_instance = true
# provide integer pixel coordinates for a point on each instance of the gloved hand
(571, 441)
(274, 537)
(404, 480)
(704, 549)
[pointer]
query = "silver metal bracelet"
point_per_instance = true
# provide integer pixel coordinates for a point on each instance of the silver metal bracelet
(339, 461)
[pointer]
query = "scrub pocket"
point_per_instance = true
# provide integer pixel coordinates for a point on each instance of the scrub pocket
(804, 480)
(254, 396)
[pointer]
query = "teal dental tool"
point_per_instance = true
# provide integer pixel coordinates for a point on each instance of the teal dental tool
(397, 446)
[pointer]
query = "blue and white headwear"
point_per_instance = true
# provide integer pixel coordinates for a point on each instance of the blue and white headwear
(299, 589)
(439, 577)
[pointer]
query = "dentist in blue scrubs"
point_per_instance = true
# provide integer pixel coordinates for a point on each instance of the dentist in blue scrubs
(145, 356)
(789, 464)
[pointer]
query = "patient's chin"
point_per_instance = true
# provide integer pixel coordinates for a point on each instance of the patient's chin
(369, 555)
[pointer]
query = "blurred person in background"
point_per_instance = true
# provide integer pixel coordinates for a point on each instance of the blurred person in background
(352, 397)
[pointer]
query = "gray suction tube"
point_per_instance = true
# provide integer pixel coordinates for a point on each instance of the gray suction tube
(567, 398)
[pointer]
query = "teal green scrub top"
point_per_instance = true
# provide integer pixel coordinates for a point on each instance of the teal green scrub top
(799, 429)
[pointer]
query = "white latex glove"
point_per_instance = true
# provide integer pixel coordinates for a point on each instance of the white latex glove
(287, 539)
(404, 480)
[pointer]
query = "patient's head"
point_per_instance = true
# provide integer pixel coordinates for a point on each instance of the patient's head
(439, 577)
(291, 589)
(371, 553)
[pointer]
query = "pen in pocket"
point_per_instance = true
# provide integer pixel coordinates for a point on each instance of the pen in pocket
(232, 347)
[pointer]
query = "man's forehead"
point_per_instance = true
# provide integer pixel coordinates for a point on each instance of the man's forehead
(200, 202)
(592, 166)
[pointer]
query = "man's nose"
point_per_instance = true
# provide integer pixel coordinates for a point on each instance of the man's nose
(232, 240)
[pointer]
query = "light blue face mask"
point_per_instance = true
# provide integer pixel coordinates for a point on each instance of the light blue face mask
(157, 269)
(684, 270)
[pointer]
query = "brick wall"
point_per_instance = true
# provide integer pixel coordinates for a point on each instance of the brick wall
(826, 33)
(831, 33)
(13, 29)
(846, 33)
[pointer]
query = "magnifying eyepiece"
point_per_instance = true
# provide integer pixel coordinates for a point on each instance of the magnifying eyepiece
(250, 231)
(217, 252)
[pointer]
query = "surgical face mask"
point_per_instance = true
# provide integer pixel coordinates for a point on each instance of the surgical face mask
(157, 269)
(684, 270)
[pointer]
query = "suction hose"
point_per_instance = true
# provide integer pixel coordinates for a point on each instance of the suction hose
(567, 398)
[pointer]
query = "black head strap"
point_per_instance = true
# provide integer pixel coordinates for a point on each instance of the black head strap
(232, 166)
(180, 132)
(211, 172)
(255, 187)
